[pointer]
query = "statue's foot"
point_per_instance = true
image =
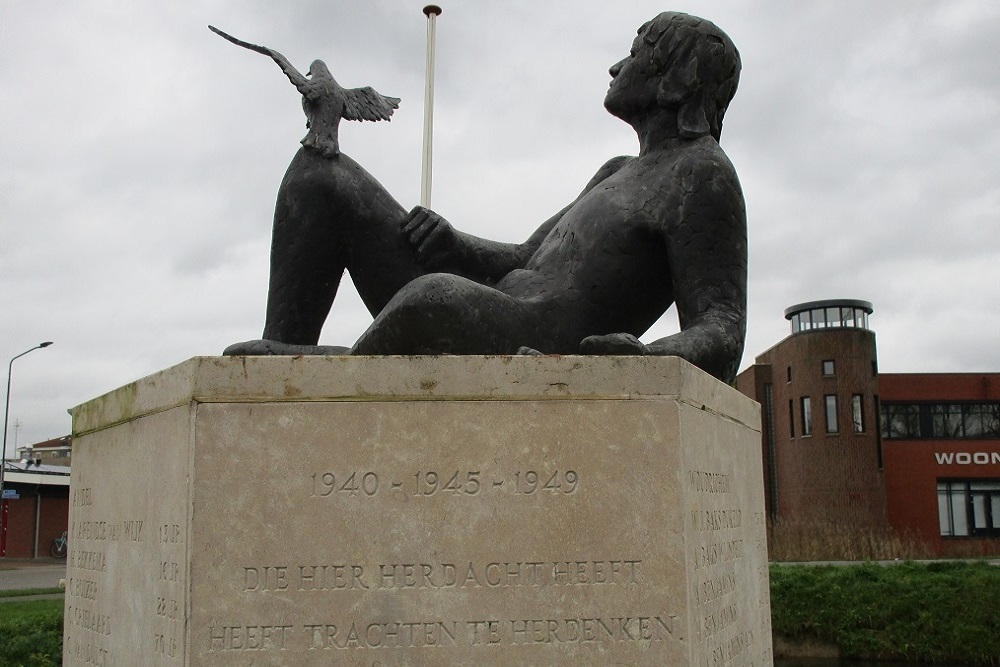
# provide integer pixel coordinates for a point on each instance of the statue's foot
(253, 348)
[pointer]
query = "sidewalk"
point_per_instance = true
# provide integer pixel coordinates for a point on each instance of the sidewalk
(22, 575)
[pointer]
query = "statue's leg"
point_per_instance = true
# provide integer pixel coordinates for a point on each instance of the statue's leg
(330, 215)
(445, 314)
(308, 256)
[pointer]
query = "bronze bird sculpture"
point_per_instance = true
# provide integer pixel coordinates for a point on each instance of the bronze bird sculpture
(324, 101)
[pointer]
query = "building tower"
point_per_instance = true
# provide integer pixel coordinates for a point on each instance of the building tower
(818, 390)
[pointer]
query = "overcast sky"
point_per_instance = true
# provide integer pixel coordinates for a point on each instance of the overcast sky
(140, 155)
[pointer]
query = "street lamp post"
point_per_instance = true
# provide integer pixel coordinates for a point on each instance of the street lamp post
(6, 414)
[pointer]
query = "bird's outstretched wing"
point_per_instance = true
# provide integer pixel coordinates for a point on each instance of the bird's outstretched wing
(366, 104)
(296, 77)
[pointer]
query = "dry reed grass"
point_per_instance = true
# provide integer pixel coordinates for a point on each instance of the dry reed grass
(801, 541)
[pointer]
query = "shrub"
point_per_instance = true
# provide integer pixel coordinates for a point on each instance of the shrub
(31, 633)
(934, 612)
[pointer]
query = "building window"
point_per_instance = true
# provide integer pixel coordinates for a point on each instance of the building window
(858, 413)
(969, 507)
(806, 416)
(828, 367)
(940, 420)
(878, 436)
(900, 421)
(946, 421)
(830, 403)
(788, 372)
(791, 418)
(821, 318)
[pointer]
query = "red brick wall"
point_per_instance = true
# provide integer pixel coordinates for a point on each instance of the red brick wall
(927, 387)
(751, 383)
(912, 472)
(913, 469)
(832, 478)
(20, 520)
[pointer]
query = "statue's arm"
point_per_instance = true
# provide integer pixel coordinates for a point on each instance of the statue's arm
(707, 251)
(440, 247)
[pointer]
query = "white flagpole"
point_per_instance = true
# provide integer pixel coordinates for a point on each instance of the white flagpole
(431, 11)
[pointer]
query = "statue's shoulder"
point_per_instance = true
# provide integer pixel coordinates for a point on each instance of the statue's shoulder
(702, 163)
(705, 156)
(608, 168)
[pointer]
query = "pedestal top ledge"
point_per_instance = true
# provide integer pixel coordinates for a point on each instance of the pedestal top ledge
(409, 378)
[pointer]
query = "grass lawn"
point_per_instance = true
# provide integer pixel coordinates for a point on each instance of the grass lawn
(24, 592)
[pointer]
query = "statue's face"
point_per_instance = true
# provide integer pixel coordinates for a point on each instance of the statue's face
(633, 82)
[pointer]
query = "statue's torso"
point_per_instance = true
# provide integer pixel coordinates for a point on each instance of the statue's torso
(605, 261)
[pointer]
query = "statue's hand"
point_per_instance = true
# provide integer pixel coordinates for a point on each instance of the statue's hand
(619, 343)
(431, 236)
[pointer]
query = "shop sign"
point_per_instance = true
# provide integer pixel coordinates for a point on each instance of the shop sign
(967, 458)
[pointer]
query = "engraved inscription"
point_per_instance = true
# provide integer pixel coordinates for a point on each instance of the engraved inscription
(733, 648)
(714, 553)
(83, 497)
(167, 631)
(405, 576)
(615, 629)
(106, 531)
(89, 560)
(83, 588)
(132, 531)
(248, 637)
(713, 589)
(170, 572)
(170, 533)
(710, 520)
(86, 652)
(427, 483)
(374, 634)
(709, 482)
(165, 644)
(720, 620)
(383, 635)
(88, 620)
(483, 632)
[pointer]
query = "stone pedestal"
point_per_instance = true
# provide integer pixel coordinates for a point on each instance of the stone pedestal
(418, 511)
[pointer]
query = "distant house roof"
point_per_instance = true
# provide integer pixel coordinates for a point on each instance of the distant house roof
(29, 472)
(63, 441)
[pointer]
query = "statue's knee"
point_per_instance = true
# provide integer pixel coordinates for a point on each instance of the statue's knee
(434, 290)
(307, 186)
(434, 299)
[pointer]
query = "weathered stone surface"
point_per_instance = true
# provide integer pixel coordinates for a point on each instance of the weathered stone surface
(418, 511)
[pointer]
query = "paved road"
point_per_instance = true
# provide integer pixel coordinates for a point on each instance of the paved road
(31, 576)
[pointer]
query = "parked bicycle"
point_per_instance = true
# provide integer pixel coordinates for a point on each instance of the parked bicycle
(59, 548)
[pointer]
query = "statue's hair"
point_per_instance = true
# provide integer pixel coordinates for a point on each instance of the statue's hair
(699, 67)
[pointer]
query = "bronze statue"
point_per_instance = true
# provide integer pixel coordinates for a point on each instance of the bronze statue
(665, 227)
(324, 100)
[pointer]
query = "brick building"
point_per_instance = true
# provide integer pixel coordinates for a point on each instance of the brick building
(844, 445)
(57, 451)
(941, 444)
(35, 508)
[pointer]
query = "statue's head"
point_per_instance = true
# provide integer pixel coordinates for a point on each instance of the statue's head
(678, 62)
